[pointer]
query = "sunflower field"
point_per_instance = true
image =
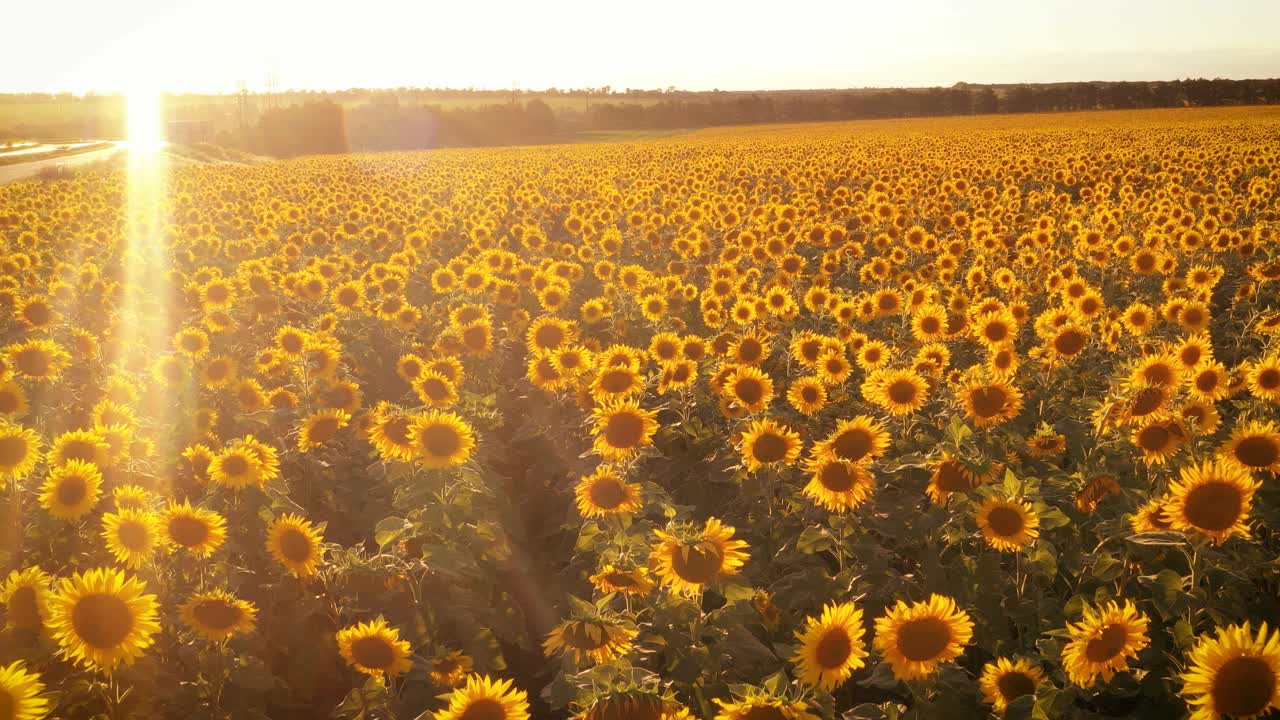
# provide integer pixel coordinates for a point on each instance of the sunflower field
(951, 418)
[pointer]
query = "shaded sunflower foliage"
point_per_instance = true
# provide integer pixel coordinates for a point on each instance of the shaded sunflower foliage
(936, 419)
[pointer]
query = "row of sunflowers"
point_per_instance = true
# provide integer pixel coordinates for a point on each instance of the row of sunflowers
(930, 419)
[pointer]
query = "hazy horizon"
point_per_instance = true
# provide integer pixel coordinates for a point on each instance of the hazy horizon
(187, 47)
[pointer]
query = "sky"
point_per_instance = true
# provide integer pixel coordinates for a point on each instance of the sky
(188, 46)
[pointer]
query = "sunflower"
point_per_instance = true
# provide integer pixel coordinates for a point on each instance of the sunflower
(632, 581)
(687, 559)
(990, 403)
(915, 638)
(320, 428)
(1004, 680)
(766, 442)
(622, 428)
(1158, 440)
(295, 544)
(1254, 446)
(1068, 341)
(37, 359)
(192, 342)
(103, 618)
(549, 333)
(1263, 379)
(20, 693)
(603, 493)
(236, 467)
(634, 705)
(598, 639)
(831, 646)
(86, 445)
(1103, 641)
(198, 531)
(13, 400)
(1209, 381)
(1213, 498)
(442, 439)
(995, 328)
(485, 699)
(838, 485)
(749, 387)
(1160, 370)
(132, 536)
(451, 669)
(616, 382)
(855, 440)
(389, 433)
(756, 704)
(900, 392)
(807, 395)
(1008, 525)
(375, 648)
(434, 389)
(19, 450)
(217, 615)
(71, 490)
(834, 368)
(24, 595)
(1236, 674)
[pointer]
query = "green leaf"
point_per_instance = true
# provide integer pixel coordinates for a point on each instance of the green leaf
(814, 539)
(389, 530)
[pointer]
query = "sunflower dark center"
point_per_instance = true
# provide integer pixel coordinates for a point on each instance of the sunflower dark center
(1013, 685)
(295, 546)
(1214, 506)
(996, 331)
(323, 429)
(809, 394)
(484, 709)
(1269, 379)
(607, 493)
(750, 350)
(80, 450)
(217, 614)
(1005, 522)
(988, 401)
(13, 450)
(1243, 686)
(624, 430)
(834, 648)
(133, 536)
(902, 392)
(441, 441)
(769, 448)
(951, 476)
(235, 465)
(397, 430)
(1158, 374)
(72, 490)
(102, 621)
(620, 579)
(23, 611)
(930, 325)
(697, 563)
(853, 444)
(1108, 644)
(373, 652)
(188, 531)
(1147, 401)
(837, 477)
(1257, 451)
(1069, 342)
(1154, 438)
(763, 712)
(615, 381)
(548, 337)
(748, 390)
(34, 362)
(923, 639)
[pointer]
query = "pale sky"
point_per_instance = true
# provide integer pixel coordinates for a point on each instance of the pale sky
(213, 45)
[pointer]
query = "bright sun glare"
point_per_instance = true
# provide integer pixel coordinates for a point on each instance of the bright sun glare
(144, 120)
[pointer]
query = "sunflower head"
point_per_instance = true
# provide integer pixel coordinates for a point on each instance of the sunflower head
(217, 615)
(1236, 674)
(831, 646)
(374, 648)
(296, 544)
(1004, 680)
(103, 618)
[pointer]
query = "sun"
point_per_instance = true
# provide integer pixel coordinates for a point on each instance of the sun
(143, 111)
